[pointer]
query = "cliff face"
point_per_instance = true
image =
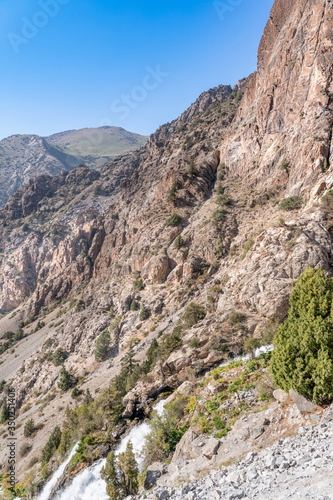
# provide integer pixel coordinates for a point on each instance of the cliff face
(286, 112)
(75, 246)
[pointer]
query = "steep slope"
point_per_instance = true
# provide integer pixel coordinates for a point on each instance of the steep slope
(200, 214)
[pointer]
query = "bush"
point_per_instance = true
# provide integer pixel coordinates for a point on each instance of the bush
(171, 343)
(179, 242)
(303, 356)
(102, 346)
(223, 200)
(33, 462)
(194, 343)
(173, 220)
(219, 216)
(25, 449)
(284, 165)
(193, 314)
(291, 203)
(236, 318)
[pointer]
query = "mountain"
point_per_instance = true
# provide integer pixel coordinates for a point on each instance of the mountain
(179, 255)
(96, 146)
(23, 157)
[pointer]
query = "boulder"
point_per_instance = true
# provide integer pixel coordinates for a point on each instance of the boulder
(156, 269)
(280, 395)
(154, 472)
(211, 448)
(183, 448)
(303, 404)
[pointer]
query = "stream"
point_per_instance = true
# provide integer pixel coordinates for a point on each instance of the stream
(88, 484)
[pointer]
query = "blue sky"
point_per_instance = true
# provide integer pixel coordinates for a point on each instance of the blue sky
(136, 64)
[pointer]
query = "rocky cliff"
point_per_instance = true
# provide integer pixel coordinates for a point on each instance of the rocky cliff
(222, 209)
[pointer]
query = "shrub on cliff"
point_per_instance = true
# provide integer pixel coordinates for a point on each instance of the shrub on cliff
(67, 379)
(292, 203)
(193, 314)
(303, 355)
(173, 220)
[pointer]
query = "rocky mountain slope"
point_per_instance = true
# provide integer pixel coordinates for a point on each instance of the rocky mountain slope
(204, 229)
(23, 157)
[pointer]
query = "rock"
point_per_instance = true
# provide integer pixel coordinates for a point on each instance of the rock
(280, 395)
(257, 431)
(163, 495)
(211, 448)
(183, 448)
(154, 472)
(303, 404)
(233, 495)
(156, 270)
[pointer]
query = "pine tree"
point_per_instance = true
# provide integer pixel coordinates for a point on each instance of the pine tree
(67, 379)
(128, 363)
(110, 475)
(303, 354)
(4, 412)
(102, 346)
(29, 428)
(143, 313)
(134, 305)
(88, 398)
(129, 470)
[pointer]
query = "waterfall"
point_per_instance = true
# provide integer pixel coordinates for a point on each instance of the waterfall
(44, 495)
(88, 484)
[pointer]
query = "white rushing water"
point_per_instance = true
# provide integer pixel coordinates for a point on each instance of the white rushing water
(88, 484)
(261, 350)
(44, 495)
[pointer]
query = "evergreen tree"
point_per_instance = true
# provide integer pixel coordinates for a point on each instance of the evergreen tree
(4, 412)
(51, 446)
(129, 470)
(134, 305)
(67, 379)
(88, 398)
(29, 428)
(110, 475)
(303, 354)
(65, 442)
(128, 363)
(143, 313)
(102, 346)
(179, 242)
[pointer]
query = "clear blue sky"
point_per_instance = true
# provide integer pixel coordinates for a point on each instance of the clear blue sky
(73, 63)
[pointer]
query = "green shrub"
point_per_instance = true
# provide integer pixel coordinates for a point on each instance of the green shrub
(192, 170)
(219, 216)
(223, 200)
(193, 314)
(173, 220)
(219, 248)
(236, 318)
(194, 343)
(291, 203)
(179, 242)
(171, 343)
(303, 356)
(284, 165)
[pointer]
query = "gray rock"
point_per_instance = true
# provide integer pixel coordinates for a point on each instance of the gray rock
(233, 495)
(154, 472)
(303, 404)
(211, 448)
(280, 395)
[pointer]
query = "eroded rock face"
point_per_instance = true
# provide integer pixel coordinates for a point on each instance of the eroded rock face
(156, 270)
(286, 112)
